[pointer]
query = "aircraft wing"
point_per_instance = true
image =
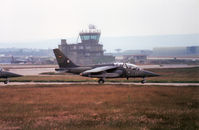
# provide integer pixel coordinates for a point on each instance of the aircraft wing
(105, 71)
(100, 69)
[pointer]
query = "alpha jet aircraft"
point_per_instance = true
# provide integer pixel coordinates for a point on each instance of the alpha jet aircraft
(103, 71)
(6, 75)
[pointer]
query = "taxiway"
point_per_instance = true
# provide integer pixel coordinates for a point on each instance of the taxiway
(95, 83)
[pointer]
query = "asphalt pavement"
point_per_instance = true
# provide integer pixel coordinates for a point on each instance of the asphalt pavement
(95, 83)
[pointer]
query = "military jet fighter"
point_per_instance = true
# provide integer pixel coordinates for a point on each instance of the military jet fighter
(18, 61)
(103, 71)
(6, 75)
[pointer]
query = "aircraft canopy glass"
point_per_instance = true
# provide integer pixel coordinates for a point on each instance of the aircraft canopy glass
(131, 66)
(127, 65)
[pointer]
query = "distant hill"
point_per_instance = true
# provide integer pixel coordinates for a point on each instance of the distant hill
(124, 43)
(25, 52)
(149, 42)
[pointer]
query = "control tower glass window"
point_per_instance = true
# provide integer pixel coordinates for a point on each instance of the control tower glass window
(94, 37)
(86, 37)
(90, 37)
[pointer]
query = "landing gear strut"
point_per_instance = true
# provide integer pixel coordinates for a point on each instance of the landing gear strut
(6, 81)
(143, 81)
(101, 81)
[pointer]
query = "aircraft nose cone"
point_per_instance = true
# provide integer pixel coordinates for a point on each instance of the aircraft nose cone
(18, 75)
(10, 74)
(150, 74)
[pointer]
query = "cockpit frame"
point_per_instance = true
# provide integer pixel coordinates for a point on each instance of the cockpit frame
(128, 65)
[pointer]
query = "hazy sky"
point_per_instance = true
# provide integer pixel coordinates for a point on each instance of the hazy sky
(22, 20)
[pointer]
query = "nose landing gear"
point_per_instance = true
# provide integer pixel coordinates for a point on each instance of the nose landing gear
(143, 81)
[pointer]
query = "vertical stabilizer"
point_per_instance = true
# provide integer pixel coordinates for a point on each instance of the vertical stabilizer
(62, 60)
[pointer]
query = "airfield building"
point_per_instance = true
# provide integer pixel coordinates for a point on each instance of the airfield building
(135, 59)
(176, 51)
(88, 51)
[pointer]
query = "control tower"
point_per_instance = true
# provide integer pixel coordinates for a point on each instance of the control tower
(91, 36)
(88, 51)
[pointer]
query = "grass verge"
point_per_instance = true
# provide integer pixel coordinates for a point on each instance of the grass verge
(98, 107)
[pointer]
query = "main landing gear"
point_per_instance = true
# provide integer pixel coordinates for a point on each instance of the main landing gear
(101, 81)
(143, 81)
(6, 81)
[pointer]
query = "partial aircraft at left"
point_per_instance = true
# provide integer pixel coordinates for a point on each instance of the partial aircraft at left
(6, 75)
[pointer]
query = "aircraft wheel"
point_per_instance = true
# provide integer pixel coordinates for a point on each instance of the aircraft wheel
(143, 81)
(101, 81)
(6, 82)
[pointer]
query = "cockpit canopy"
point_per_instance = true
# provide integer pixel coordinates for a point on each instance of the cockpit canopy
(1, 69)
(127, 65)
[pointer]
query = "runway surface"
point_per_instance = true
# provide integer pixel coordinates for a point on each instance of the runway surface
(95, 83)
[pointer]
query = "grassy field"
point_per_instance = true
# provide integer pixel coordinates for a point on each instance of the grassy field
(96, 107)
(172, 75)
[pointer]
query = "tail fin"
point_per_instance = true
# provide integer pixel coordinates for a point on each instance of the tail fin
(13, 59)
(62, 60)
